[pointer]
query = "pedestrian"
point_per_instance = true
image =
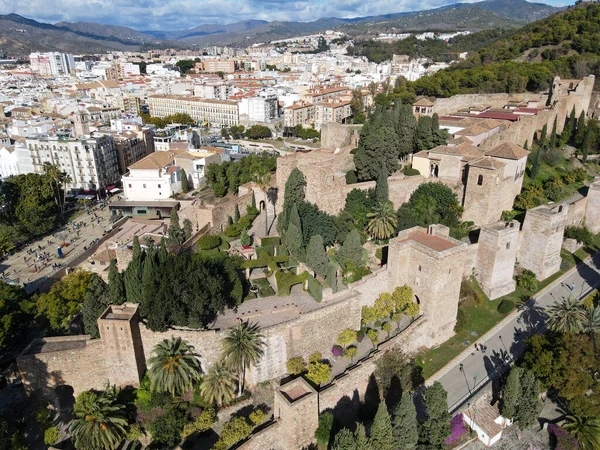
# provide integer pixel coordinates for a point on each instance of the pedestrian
(476, 348)
(572, 286)
(483, 348)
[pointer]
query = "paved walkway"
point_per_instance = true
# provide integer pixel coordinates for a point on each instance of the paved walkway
(506, 341)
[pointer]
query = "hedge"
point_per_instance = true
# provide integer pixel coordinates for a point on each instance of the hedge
(233, 230)
(506, 306)
(409, 171)
(274, 240)
(314, 287)
(285, 281)
(209, 242)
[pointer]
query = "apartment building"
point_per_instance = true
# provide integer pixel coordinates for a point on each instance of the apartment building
(90, 162)
(52, 64)
(218, 113)
(263, 108)
(320, 95)
(300, 113)
(218, 65)
(218, 91)
(332, 111)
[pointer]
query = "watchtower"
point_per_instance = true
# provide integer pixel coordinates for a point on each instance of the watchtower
(592, 209)
(496, 257)
(296, 407)
(81, 126)
(483, 185)
(122, 344)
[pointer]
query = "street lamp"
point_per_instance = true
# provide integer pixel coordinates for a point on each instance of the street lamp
(462, 369)
(502, 341)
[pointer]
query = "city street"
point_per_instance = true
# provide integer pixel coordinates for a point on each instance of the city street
(473, 368)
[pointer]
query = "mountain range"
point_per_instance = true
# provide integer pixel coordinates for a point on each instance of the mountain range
(19, 35)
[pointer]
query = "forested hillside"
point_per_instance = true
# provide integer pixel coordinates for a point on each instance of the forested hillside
(574, 40)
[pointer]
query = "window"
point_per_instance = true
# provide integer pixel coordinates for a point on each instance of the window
(479, 180)
(507, 245)
(144, 186)
(419, 268)
(159, 186)
(129, 185)
(141, 211)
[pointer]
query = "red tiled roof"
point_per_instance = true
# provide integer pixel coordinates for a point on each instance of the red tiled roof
(499, 116)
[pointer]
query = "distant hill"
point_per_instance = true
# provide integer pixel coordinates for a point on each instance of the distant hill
(20, 35)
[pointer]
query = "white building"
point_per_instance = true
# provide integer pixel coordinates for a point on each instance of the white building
(158, 175)
(486, 420)
(259, 109)
(218, 91)
(52, 64)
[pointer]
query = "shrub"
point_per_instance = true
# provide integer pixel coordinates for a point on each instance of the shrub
(337, 350)
(351, 352)
(527, 280)
(257, 417)
(245, 239)
(351, 177)
(234, 431)
(233, 230)
(580, 234)
(507, 216)
(285, 281)
(373, 336)
(323, 431)
(318, 373)
(580, 174)
(506, 306)
(412, 310)
(554, 189)
(296, 365)
(552, 157)
(245, 222)
(42, 417)
(273, 241)
(252, 211)
(461, 321)
(51, 436)
(410, 172)
(469, 295)
(457, 429)
(203, 422)
(315, 357)
(209, 242)
(315, 288)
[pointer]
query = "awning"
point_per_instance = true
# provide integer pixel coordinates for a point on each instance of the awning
(85, 197)
(113, 190)
(110, 187)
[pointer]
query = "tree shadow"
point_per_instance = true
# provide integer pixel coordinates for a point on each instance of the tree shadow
(201, 441)
(346, 410)
(371, 401)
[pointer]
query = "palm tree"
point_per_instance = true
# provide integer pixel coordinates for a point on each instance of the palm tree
(586, 430)
(59, 179)
(218, 384)
(382, 221)
(566, 316)
(99, 422)
(174, 367)
(242, 348)
(591, 324)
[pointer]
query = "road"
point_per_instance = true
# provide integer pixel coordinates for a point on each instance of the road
(473, 368)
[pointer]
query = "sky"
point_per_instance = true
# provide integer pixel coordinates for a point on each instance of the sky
(185, 14)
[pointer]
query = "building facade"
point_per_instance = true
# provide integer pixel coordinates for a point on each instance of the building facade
(218, 113)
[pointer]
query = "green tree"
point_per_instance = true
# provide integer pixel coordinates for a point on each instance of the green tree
(381, 188)
(185, 184)
(585, 429)
(64, 301)
(218, 385)
(133, 274)
(293, 240)
(352, 249)
(344, 440)
(347, 337)
(236, 214)
(116, 284)
(316, 257)
(554, 134)
(405, 125)
(187, 229)
(175, 232)
(436, 428)
(174, 368)
(360, 436)
(570, 128)
(581, 130)
(13, 318)
(378, 146)
(536, 164)
(96, 301)
(566, 316)
(185, 65)
(511, 394)
(243, 348)
(382, 221)
(318, 372)
(543, 136)
(381, 430)
(530, 404)
(423, 138)
(324, 429)
(99, 422)
(404, 422)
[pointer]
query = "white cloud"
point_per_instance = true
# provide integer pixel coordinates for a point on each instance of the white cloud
(185, 14)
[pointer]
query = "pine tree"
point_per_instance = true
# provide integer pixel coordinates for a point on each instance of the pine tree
(381, 430)
(236, 214)
(116, 284)
(316, 257)
(404, 423)
(360, 437)
(530, 404)
(511, 393)
(133, 274)
(436, 428)
(554, 135)
(381, 188)
(185, 186)
(344, 440)
(536, 164)
(581, 130)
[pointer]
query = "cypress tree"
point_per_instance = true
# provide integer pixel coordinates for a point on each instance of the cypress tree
(569, 128)
(436, 428)
(253, 200)
(133, 274)
(536, 164)
(381, 430)
(295, 218)
(316, 257)
(175, 233)
(581, 130)
(530, 404)
(360, 437)
(293, 241)
(543, 136)
(351, 249)
(511, 393)
(187, 229)
(236, 214)
(405, 126)
(526, 146)
(162, 251)
(404, 423)
(585, 146)
(116, 284)
(554, 135)
(381, 187)
(423, 139)
(149, 279)
(95, 302)
(185, 186)
(344, 440)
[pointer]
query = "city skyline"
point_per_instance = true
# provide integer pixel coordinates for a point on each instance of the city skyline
(147, 15)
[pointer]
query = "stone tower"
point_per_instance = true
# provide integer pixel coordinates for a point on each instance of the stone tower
(81, 126)
(296, 407)
(482, 200)
(122, 345)
(496, 257)
(592, 209)
(541, 239)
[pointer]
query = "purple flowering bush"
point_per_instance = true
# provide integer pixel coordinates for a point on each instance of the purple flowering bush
(564, 439)
(337, 350)
(457, 429)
